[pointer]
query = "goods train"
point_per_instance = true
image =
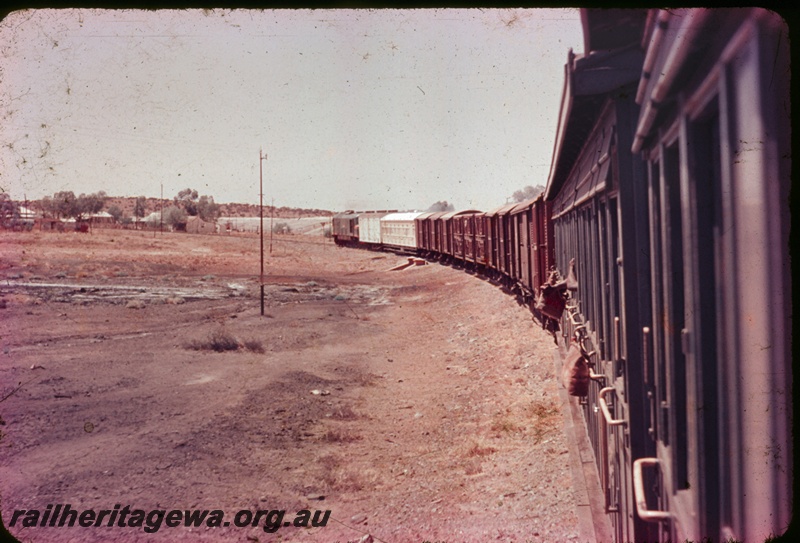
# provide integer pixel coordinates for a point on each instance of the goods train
(668, 191)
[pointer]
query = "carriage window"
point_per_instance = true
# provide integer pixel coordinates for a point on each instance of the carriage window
(600, 323)
(656, 355)
(588, 249)
(604, 330)
(613, 274)
(706, 181)
(674, 312)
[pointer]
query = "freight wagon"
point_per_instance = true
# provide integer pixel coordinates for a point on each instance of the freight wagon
(667, 200)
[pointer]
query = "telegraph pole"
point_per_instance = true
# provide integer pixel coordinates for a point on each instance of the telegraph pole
(261, 158)
(271, 227)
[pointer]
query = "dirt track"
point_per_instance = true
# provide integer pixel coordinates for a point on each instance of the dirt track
(414, 405)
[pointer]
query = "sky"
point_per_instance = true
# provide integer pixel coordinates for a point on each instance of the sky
(353, 109)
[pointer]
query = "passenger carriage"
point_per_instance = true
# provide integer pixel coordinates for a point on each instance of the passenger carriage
(669, 187)
(714, 137)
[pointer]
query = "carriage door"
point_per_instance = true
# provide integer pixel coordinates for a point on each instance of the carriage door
(666, 476)
(623, 401)
(688, 347)
(613, 398)
(705, 334)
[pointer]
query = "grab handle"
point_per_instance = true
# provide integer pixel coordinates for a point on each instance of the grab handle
(604, 407)
(584, 352)
(638, 492)
(600, 377)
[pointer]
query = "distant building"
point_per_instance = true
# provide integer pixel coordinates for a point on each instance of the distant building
(196, 225)
(101, 218)
(27, 213)
(153, 220)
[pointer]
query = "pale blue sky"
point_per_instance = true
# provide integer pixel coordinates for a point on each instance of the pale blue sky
(355, 108)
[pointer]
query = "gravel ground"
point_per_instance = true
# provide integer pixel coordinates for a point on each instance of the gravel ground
(414, 405)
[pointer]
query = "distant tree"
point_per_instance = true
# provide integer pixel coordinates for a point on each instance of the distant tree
(195, 204)
(140, 207)
(116, 212)
(187, 199)
(441, 205)
(173, 216)
(527, 193)
(64, 204)
(207, 209)
(281, 228)
(9, 211)
(48, 209)
(88, 204)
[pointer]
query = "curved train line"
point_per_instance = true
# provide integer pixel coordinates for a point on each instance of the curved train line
(669, 190)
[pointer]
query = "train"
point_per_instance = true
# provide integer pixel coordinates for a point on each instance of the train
(667, 202)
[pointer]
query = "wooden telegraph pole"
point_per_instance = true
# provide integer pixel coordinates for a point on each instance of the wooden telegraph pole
(271, 226)
(261, 158)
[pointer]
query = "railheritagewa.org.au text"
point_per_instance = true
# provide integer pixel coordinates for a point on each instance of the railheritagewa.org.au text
(151, 521)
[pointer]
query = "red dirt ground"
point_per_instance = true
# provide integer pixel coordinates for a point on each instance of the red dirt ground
(415, 405)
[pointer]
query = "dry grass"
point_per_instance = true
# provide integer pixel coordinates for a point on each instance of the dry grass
(473, 467)
(477, 449)
(358, 376)
(473, 457)
(505, 425)
(219, 341)
(340, 436)
(344, 412)
(546, 415)
(542, 410)
(254, 345)
(336, 475)
(222, 341)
